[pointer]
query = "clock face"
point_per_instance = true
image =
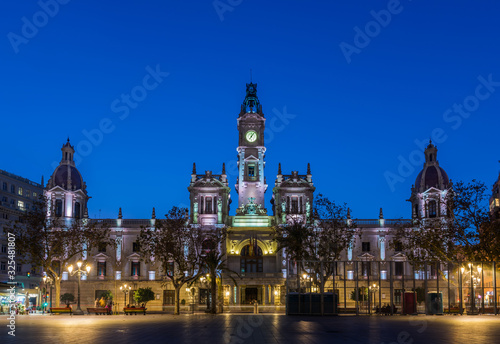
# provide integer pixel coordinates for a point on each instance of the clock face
(251, 136)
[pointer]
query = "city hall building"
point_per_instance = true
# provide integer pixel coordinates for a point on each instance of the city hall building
(250, 249)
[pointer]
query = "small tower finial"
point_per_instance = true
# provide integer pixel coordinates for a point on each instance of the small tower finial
(348, 213)
(308, 168)
(381, 215)
(194, 168)
(250, 74)
(223, 168)
(120, 213)
(153, 216)
(279, 168)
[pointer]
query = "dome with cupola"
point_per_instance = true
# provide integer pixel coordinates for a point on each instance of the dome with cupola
(66, 175)
(432, 175)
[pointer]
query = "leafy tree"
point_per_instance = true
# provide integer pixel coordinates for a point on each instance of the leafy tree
(51, 243)
(67, 298)
(107, 295)
(144, 295)
(176, 247)
(362, 294)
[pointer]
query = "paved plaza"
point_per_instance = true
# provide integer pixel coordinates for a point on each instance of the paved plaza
(245, 328)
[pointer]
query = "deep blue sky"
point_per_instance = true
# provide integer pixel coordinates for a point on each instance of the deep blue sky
(352, 120)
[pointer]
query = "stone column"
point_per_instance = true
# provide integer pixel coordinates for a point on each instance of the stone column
(266, 295)
(231, 295)
(273, 288)
(238, 298)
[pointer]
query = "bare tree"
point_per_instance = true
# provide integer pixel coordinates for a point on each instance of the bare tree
(51, 244)
(316, 247)
(176, 246)
(466, 232)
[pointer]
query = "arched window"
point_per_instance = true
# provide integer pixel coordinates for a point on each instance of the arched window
(432, 209)
(251, 259)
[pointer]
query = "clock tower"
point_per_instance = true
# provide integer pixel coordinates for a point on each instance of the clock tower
(251, 184)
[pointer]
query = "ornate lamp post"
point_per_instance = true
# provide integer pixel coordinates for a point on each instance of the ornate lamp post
(126, 289)
(373, 290)
(78, 272)
(48, 281)
(475, 280)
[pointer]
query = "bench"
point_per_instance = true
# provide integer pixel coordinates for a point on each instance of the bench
(134, 310)
(347, 310)
(99, 310)
(54, 310)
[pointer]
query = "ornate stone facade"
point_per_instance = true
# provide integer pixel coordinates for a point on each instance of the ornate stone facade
(250, 250)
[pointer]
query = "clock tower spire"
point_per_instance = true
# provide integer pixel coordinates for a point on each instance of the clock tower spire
(251, 184)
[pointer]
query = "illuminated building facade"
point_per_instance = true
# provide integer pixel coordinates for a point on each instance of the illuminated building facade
(250, 250)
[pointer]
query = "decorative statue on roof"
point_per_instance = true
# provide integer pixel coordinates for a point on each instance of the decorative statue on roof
(251, 206)
(219, 210)
(308, 210)
(283, 211)
(195, 212)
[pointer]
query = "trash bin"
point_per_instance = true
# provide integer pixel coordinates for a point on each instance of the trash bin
(434, 303)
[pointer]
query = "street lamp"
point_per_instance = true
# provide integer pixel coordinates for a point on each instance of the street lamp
(126, 289)
(475, 280)
(78, 272)
(48, 281)
(373, 290)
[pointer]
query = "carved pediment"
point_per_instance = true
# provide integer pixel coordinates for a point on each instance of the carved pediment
(398, 256)
(101, 257)
(134, 257)
(366, 256)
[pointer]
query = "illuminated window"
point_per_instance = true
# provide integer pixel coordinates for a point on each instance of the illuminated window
(383, 274)
(20, 205)
(251, 259)
(135, 269)
(101, 269)
(350, 275)
(432, 209)
(169, 297)
(20, 191)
